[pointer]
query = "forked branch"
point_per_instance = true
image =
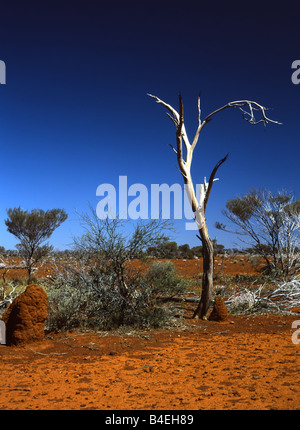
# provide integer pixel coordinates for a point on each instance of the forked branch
(249, 116)
(248, 108)
(211, 180)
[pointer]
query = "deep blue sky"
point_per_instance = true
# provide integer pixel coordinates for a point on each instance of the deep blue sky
(74, 112)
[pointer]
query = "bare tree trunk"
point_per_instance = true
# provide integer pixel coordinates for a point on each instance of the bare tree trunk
(208, 274)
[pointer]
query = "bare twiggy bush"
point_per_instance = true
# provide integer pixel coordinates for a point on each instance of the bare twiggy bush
(7, 294)
(100, 289)
(280, 299)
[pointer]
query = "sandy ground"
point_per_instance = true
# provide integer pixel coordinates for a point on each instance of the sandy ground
(190, 268)
(246, 363)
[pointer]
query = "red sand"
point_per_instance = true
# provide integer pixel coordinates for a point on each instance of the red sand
(245, 363)
(190, 268)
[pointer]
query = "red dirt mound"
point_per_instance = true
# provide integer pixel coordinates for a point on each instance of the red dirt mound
(25, 318)
(219, 312)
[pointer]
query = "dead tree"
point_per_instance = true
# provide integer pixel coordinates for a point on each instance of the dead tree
(184, 159)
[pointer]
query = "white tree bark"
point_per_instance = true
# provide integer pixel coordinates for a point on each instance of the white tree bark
(184, 164)
(181, 136)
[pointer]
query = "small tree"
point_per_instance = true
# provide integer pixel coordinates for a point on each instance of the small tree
(184, 151)
(185, 251)
(32, 229)
(271, 223)
(169, 250)
(166, 249)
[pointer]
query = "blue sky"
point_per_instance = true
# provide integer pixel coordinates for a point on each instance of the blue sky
(74, 112)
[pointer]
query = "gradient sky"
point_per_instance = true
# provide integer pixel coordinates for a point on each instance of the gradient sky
(74, 112)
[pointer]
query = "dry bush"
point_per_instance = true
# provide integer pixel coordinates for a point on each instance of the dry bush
(279, 299)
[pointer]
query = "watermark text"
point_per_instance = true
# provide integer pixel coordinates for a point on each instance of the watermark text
(161, 201)
(296, 74)
(2, 333)
(2, 72)
(296, 333)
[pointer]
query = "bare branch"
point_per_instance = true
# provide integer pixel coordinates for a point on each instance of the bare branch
(175, 117)
(173, 148)
(183, 174)
(199, 126)
(179, 138)
(248, 116)
(7, 297)
(211, 179)
(199, 110)
(181, 127)
(173, 112)
(248, 108)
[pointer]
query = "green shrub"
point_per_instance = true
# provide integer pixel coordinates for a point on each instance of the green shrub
(86, 299)
(164, 281)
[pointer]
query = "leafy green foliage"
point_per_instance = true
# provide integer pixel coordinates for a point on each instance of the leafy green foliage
(164, 281)
(272, 224)
(32, 229)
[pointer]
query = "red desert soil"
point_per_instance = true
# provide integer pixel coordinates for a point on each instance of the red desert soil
(245, 363)
(190, 268)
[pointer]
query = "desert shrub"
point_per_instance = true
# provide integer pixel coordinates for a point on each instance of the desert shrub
(68, 309)
(8, 292)
(86, 298)
(100, 289)
(279, 299)
(87, 303)
(164, 281)
(243, 302)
